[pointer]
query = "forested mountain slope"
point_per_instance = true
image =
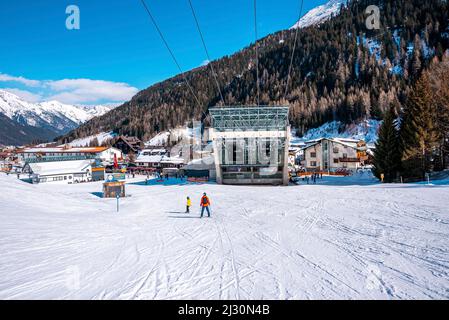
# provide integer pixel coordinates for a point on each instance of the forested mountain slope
(341, 71)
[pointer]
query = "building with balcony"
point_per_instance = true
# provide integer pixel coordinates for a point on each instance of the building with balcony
(250, 144)
(332, 154)
(157, 159)
(128, 145)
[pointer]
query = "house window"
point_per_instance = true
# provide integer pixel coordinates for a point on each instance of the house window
(335, 160)
(65, 177)
(313, 154)
(313, 163)
(336, 150)
(345, 155)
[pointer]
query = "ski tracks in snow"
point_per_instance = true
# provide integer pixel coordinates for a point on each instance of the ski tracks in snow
(313, 242)
(224, 231)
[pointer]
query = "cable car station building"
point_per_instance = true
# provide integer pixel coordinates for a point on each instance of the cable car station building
(250, 144)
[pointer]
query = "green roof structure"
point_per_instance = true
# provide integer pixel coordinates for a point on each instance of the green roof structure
(252, 118)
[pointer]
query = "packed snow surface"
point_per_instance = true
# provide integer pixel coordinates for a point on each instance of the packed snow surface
(344, 238)
(102, 137)
(163, 138)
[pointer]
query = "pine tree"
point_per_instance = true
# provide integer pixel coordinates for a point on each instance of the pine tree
(387, 155)
(416, 64)
(419, 135)
(375, 111)
(94, 142)
(439, 80)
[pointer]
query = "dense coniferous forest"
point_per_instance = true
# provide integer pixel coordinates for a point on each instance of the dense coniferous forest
(336, 74)
(414, 139)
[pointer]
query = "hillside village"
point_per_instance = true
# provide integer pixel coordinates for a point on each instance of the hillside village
(173, 153)
(124, 233)
(129, 237)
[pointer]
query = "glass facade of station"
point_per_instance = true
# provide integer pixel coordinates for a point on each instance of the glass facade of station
(261, 118)
(250, 144)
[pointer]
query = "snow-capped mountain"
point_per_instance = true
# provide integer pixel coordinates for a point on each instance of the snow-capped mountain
(320, 14)
(51, 115)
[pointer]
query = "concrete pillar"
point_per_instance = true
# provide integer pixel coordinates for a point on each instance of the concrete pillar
(285, 179)
(217, 150)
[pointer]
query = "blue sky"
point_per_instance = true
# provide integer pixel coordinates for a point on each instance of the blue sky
(117, 51)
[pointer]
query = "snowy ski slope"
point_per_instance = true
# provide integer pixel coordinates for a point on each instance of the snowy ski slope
(345, 238)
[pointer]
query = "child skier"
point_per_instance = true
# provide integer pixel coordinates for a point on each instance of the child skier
(205, 203)
(188, 205)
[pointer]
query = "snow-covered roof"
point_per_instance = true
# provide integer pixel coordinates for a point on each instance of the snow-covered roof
(297, 143)
(295, 150)
(206, 163)
(59, 167)
(351, 143)
(159, 159)
(347, 142)
(153, 151)
(311, 143)
(64, 150)
(177, 160)
(153, 158)
(112, 149)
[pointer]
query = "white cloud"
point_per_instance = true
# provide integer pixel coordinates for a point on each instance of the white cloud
(28, 82)
(25, 95)
(73, 91)
(88, 91)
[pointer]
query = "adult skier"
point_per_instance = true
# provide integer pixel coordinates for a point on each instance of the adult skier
(205, 203)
